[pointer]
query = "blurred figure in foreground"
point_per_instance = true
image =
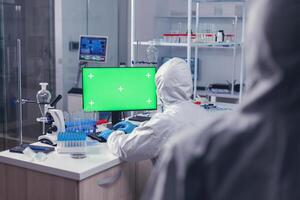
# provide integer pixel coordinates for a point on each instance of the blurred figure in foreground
(253, 153)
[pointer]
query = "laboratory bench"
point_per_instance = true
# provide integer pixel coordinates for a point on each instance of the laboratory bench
(60, 177)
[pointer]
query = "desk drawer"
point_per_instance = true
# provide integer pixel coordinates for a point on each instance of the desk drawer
(24, 184)
(112, 184)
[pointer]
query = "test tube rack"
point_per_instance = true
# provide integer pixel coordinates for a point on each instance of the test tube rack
(71, 142)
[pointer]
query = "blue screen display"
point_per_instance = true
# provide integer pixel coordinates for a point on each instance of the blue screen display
(93, 49)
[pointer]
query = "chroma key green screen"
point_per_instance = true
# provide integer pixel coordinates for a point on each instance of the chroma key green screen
(119, 88)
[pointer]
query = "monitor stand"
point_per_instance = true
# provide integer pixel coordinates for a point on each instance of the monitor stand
(116, 117)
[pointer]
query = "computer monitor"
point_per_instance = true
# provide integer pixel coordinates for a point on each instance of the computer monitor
(93, 48)
(119, 89)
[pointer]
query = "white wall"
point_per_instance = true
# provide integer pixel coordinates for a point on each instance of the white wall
(102, 19)
(73, 25)
(124, 34)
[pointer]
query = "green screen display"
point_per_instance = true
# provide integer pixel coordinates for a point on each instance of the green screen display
(119, 89)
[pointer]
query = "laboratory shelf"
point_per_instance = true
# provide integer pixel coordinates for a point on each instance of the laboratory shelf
(166, 44)
(219, 2)
(223, 45)
(235, 95)
(201, 16)
(217, 45)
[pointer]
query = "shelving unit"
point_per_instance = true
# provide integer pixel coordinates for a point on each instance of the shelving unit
(189, 45)
(224, 45)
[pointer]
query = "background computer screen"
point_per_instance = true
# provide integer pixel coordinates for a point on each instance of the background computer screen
(93, 48)
(119, 89)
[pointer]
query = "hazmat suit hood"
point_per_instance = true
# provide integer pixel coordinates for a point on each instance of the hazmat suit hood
(174, 87)
(174, 82)
(253, 152)
(273, 55)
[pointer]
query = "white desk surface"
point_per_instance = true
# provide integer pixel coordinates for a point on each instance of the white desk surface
(63, 165)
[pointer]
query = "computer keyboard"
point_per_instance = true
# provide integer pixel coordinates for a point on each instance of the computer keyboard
(138, 118)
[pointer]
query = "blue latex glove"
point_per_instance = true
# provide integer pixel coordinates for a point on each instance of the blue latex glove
(125, 126)
(105, 134)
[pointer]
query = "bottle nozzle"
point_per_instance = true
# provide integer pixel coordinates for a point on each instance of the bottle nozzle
(43, 96)
(43, 86)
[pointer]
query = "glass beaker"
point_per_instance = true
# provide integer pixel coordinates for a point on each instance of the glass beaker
(152, 54)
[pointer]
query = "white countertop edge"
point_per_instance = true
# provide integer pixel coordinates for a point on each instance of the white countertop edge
(59, 172)
(99, 169)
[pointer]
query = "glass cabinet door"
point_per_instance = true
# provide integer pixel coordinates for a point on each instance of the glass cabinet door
(1, 78)
(10, 32)
(27, 43)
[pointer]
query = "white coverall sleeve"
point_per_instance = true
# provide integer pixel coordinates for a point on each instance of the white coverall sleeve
(144, 142)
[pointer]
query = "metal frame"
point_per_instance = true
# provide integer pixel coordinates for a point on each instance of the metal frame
(234, 56)
(58, 48)
(132, 32)
(242, 72)
(196, 53)
(189, 38)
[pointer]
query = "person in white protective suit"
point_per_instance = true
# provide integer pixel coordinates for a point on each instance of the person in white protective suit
(253, 153)
(174, 88)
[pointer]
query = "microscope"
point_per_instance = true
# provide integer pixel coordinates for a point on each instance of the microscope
(51, 117)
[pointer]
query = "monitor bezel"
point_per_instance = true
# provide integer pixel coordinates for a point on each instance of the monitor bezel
(93, 36)
(127, 67)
